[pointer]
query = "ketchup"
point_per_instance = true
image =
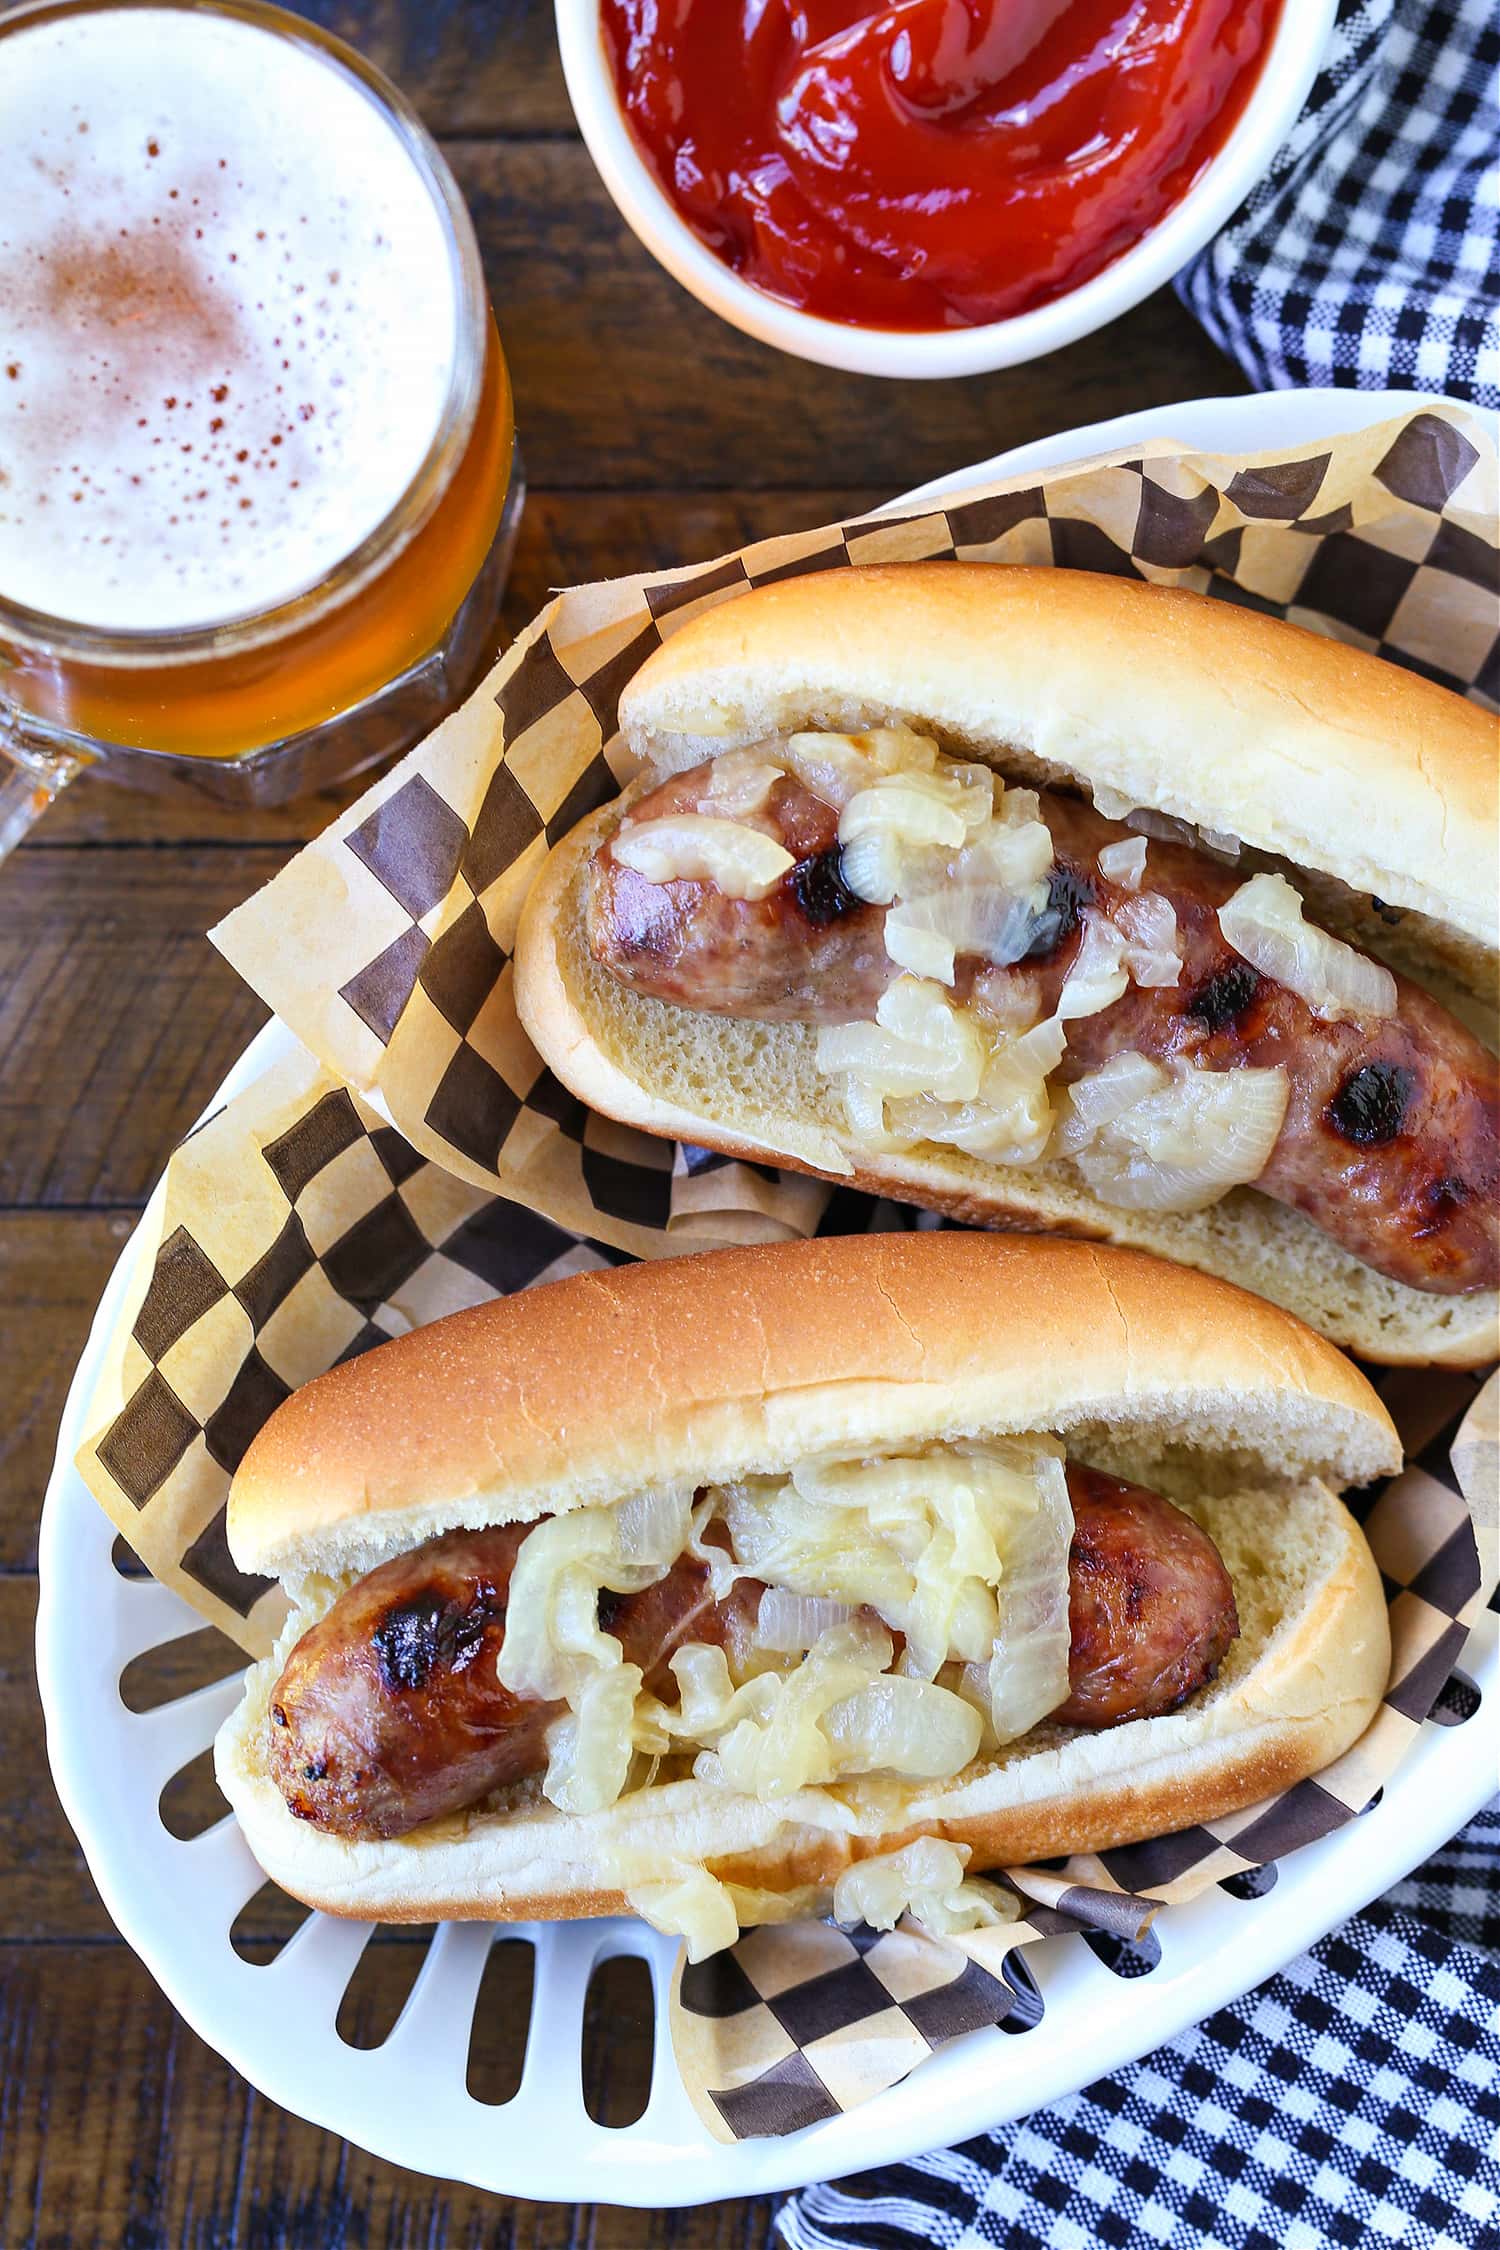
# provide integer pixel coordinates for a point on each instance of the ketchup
(931, 163)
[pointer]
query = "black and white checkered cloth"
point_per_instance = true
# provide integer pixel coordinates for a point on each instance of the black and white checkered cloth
(1369, 256)
(1353, 2100)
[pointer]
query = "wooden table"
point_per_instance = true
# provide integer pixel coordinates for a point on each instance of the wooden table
(118, 2128)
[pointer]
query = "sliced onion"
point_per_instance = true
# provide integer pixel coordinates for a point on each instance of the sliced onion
(897, 749)
(903, 1726)
(590, 1748)
(692, 1905)
(723, 1570)
(1010, 1121)
(879, 1890)
(1264, 922)
(1110, 802)
(1220, 843)
(926, 1880)
(790, 1750)
(916, 946)
(1182, 1147)
(793, 1622)
(1019, 807)
(915, 807)
(1097, 977)
(1148, 923)
(871, 866)
(1029, 1665)
(830, 766)
(1125, 862)
(654, 1527)
(738, 783)
(966, 915)
(741, 862)
(1008, 1000)
(922, 1016)
(1091, 1101)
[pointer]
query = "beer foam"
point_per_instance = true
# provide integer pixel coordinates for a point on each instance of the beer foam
(229, 310)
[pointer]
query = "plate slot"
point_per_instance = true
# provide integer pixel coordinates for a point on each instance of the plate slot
(1457, 1702)
(502, 2021)
(619, 2040)
(172, 1669)
(191, 1801)
(1125, 1957)
(267, 1922)
(382, 1984)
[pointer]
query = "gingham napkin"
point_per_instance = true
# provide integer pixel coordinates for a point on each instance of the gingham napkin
(1369, 256)
(1354, 2099)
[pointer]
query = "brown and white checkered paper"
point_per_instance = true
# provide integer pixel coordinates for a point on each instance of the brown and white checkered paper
(386, 944)
(298, 1226)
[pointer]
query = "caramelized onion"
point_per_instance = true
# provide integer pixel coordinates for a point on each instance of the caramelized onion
(1264, 923)
(1125, 862)
(1028, 1674)
(741, 862)
(903, 1726)
(1186, 1143)
(1097, 977)
(926, 1880)
(738, 783)
(792, 1622)
(1148, 924)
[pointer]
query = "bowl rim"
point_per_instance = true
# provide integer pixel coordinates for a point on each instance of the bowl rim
(1297, 49)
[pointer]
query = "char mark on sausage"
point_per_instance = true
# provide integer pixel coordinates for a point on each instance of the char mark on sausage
(1391, 1139)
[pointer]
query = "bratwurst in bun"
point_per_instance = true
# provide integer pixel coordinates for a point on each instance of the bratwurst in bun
(1058, 901)
(693, 1586)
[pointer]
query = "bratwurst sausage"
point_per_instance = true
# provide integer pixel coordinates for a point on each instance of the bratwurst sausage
(1391, 1139)
(389, 1712)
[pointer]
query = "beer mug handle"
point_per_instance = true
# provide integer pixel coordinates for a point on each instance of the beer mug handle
(29, 780)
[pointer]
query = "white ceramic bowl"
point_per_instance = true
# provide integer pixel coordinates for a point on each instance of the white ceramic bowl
(1286, 76)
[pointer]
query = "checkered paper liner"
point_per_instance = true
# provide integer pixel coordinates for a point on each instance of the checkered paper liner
(296, 1229)
(386, 944)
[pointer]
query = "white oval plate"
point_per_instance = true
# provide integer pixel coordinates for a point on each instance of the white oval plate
(175, 1902)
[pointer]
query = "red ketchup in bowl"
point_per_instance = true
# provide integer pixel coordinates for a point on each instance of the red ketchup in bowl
(931, 163)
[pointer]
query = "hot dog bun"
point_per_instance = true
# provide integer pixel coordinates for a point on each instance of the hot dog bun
(750, 1360)
(1363, 781)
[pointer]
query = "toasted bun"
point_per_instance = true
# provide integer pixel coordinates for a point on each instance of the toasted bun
(1196, 708)
(587, 1390)
(1298, 1687)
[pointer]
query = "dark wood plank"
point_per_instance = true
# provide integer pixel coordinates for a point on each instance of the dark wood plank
(53, 1267)
(122, 2129)
(117, 1020)
(624, 380)
(487, 66)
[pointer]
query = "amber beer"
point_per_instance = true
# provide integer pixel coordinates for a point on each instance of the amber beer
(255, 424)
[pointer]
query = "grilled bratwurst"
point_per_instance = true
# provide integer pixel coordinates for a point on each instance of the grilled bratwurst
(389, 1712)
(1391, 1139)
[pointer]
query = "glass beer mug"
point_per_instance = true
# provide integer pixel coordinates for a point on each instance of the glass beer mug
(258, 478)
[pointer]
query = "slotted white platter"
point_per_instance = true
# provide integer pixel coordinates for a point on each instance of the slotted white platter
(407, 2099)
